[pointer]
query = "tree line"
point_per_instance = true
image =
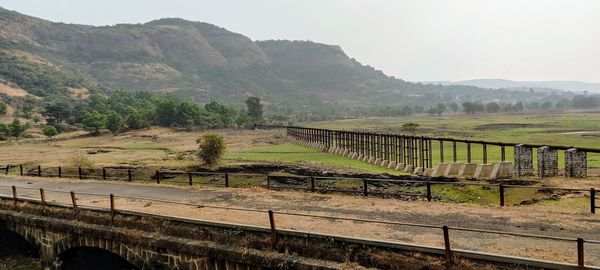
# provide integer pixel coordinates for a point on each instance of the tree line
(122, 110)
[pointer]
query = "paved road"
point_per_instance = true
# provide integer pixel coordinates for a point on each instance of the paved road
(515, 219)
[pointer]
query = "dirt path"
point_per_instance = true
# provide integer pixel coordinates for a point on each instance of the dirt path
(526, 219)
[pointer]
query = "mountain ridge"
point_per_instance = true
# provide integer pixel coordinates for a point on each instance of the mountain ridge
(568, 85)
(204, 62)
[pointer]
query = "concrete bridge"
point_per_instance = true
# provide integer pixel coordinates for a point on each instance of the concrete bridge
(159, 242)
(59, 234)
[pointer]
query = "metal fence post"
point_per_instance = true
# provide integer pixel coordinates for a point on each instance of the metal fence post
(79, 173)
(7, 168)
(74, 200)
(268, 181)
(112, 208)
(501, 195)
(593, 200)
(43, 196)
(312, 184)
(580, 254)
(157, 176)
(39, 171)
(365, 187)
(274, 237)
(428, 191)
(103, 173)
(21, 169)
(189, 178)
(447, 250)
(59, 172)
(129, 175)
(14, 192)
(226, 180)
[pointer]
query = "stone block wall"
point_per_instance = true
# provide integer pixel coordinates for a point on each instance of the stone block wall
(575, 163)
(547, 161)
(523, 160)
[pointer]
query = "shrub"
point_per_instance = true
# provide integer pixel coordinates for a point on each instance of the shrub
(211, 148)
(50, 131)
(81, 160)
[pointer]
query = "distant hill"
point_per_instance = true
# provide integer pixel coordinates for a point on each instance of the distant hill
(204, 62)
(573, 86)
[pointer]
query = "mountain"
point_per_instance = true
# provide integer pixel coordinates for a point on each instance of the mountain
(204, 62)
(573, 86)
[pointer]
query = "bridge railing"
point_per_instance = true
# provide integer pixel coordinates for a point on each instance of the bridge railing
(453, 242)
(405, 187)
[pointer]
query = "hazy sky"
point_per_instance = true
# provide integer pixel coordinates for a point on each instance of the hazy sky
(418, 40)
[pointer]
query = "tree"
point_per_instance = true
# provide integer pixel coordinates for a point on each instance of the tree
(94, 122)
(492, 107)
(50, 131)
(255, 110)
(4, 131)
(440, 108)
(454, 107)
(166, 112)
(57, 109)
(410, 128)
(114, 122)
(135, 120)
(16, 129)
(3, 108)
(211, 148)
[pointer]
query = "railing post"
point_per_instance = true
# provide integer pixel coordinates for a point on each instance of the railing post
(501, 187)
(21, 169)
(365, 187)
(74, 199)
(226, 180)
(441, 151)
(129, 175)
(14, 192)
(39, 171)
(189, 178)
(103, 173)
(312, 184)
(580, 254)
(7, 168)
(157, 176)
(447, 250)
(79, 173)
(503, 152)
(43, 196)
(274, 237)
(112, 209)
(59, 172)
(268, 181)
(428, 191)
(593, 200)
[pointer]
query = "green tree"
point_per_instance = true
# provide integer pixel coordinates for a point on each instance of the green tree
(135, 120)
(114, 122)
(255, 110)
(57, 109)
(166, 112)
(94, 122)
(211, 148)
(4, 131)
(410, 128)
(3, 108)
(16, 129)
(50, 131)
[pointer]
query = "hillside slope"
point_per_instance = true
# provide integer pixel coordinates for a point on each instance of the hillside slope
(201, 61)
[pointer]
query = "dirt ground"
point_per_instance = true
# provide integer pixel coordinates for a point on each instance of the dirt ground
(535, 219)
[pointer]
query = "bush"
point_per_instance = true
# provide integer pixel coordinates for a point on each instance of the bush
(50, 131)
(211, 148)
(81, 160)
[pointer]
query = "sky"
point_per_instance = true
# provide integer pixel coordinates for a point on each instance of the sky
(416, 40)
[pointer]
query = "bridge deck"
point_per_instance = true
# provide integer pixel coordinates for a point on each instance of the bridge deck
(537, 219)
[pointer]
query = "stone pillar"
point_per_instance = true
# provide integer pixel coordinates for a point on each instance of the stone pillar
(523, 160)
(575, 163)
(547, 162)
